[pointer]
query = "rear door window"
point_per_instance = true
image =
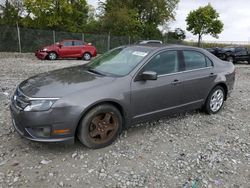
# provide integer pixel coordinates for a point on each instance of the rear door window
(78, 43)
(67, 43)
(194, 60)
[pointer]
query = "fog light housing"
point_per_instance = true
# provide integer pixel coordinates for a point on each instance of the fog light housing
(41, 131)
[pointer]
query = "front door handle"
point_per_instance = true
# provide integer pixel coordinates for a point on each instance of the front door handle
(176, 82)
(211, 74)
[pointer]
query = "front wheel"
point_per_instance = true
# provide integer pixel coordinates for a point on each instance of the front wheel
(52, 56)
(87, 56)
(100, 126)
(215, 100)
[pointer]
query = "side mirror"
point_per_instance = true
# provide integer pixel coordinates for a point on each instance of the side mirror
(149, 75)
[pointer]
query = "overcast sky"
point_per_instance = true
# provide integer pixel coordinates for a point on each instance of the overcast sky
(235, 14)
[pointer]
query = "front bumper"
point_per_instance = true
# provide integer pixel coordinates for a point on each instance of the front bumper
(26, 122)
(41, 55)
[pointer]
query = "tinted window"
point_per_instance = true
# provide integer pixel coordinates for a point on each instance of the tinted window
(209, 62)
(163, 63)
(78, 43)
(194, 60)
(242, 51)
(67, 43)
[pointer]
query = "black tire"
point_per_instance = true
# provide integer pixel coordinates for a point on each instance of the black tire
(86, 56)
(52, 56)
(208, 107)
(85, 134)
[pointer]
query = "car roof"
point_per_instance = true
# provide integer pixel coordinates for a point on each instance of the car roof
(71, 40)
(155, 46)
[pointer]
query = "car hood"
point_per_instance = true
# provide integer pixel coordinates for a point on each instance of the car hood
(62, 82)
(51, 47)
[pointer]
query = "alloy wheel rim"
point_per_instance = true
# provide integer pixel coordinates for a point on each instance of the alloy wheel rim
(52, 56)
(103, 127)
(87, 56)
(216, 101)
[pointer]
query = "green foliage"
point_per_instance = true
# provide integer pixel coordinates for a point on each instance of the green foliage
(57, 14)
(134, 18)
(137, 17)
(9, 14)
(203, 21)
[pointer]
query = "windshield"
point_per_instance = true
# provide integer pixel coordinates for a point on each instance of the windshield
(119, 61)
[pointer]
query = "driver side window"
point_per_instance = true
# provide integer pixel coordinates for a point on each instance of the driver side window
(163, 63)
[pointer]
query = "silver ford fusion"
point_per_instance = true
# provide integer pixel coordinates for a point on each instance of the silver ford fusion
(127, 85)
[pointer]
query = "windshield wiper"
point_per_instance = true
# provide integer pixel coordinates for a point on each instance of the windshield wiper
(95, 71)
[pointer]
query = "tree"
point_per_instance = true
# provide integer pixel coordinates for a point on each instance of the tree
(10, 12)
(57, 14)
(137, 17)
(153, 13)
(204, 21)
(118, 18)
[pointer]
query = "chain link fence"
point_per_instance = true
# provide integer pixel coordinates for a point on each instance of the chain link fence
(15, 39)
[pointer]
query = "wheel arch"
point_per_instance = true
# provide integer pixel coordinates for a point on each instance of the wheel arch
(117, 105)
(86, 52)
(224, 86)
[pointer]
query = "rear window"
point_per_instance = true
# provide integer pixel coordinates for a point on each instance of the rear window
(194, 60)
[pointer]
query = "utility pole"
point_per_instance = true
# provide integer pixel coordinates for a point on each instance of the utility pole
(18, 38)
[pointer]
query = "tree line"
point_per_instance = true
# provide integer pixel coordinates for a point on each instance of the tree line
(146, 19)
(135, 18)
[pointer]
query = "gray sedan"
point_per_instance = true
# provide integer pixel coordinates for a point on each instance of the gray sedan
(127, 85)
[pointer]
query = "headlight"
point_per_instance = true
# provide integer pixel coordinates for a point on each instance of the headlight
(45, 49)
(39, 105)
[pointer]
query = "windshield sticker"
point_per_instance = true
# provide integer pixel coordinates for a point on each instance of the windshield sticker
(142, 54)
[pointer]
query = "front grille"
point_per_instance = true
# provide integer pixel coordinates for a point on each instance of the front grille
(20, 100)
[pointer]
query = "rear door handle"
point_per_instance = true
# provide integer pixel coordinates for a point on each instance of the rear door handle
(176, 82)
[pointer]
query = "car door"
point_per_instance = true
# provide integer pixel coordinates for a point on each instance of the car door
(197, 79)
(77, 48)
(241, 54)
(65, 50)
(154, 98)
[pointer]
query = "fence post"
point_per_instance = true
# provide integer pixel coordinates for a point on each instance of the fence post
(83, 37)
(19, 38)
(129, 40)
(109, 41)
(54, 36)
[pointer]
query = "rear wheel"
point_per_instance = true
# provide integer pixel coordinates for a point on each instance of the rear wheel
(87, 56)
(100, 126)
(52, 56)
(215, 100)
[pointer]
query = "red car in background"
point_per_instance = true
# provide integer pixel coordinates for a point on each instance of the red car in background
(67, 49)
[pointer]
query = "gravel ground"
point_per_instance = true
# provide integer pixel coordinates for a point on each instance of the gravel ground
(186, 150)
